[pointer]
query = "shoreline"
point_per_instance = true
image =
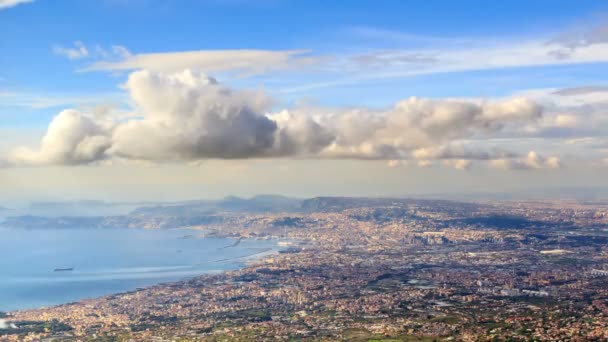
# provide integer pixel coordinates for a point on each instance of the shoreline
(242, 262)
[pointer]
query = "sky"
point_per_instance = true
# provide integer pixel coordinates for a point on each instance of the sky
(170, 100)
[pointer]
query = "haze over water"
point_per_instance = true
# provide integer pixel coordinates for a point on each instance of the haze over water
(107, 261)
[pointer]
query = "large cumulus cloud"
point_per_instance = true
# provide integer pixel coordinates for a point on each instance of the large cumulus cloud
(188, 116)
(414, 125)
(72, 138)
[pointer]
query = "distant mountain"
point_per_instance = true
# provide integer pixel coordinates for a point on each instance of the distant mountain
(107, 222)
(35, 222)
(204, 212)
(256, 204)
(80, 208)
(329, 204)
(193, 208)
(332, 204)
(260, 203)
(336, 204)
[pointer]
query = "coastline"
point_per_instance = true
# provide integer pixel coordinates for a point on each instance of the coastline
(225, 265)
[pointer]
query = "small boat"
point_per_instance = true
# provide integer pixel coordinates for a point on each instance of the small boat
(69, 269)
(285, 243)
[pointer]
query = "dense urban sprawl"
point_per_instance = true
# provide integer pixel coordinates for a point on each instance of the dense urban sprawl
(361, 269)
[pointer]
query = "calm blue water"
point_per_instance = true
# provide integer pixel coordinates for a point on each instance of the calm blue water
(106, 261)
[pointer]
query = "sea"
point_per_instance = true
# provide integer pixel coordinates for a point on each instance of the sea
(46, 267)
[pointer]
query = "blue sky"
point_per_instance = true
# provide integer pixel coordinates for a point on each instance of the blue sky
(30, 31)
(315, 63)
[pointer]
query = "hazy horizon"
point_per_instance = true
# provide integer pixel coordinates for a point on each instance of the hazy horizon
(410, 101)
(102, 207)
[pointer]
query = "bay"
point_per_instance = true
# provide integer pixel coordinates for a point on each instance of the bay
(107, 261)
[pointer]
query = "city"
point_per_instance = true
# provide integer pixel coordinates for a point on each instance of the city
(359, 269)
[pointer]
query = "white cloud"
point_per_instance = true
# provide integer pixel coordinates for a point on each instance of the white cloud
(459, 164)
(573, 40)
(393, 163)
(300, 134)
(424, 163)
(187, 116)
(458, 151)
(72, 138)
(570, 114)
(532, 161)
(583, 140)
(566, 121)
(77, 52)
(331, 70)
(581, 90)
(208, 61)
(115, 52)
(348, 69)
(413, 55)
(11, 3)
(423, 126)
(429, 55)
